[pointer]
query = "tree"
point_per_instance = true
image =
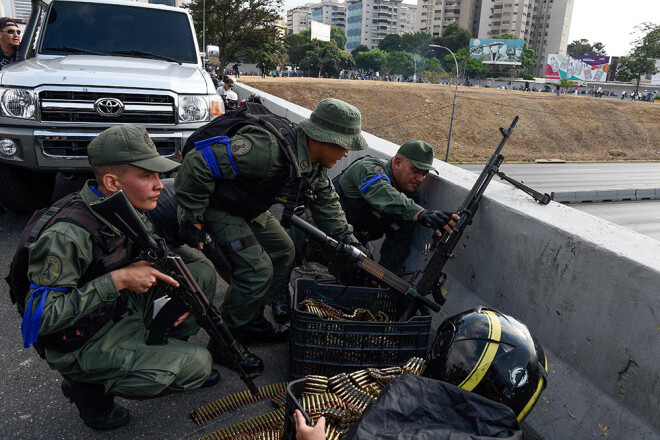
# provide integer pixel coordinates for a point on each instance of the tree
(371, 61)
(236, 26)
(432, 69)
(640, 61)
(583, 47)
(269, 56)
(338, 36)
(391, 43)
(325, 58)
(358, 49)
(470, 66)
(416, 43)
(298, 47)
(400, 63)
(454, 37)
(566, 83)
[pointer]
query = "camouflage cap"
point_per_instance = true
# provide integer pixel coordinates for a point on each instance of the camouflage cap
(336, 122)
(420, 154)
(128, 144)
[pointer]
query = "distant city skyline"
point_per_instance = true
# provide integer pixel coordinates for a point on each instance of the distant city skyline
(607, 21)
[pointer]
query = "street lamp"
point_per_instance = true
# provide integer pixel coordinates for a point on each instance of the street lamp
(453, 109)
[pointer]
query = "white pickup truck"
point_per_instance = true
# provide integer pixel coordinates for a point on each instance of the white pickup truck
(86, 65)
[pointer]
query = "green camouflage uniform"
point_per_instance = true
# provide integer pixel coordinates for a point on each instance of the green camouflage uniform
(389, 211)
(117, 355)
(259, 270)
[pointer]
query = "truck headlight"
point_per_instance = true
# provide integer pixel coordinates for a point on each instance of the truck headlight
(193, 108)
(19, 103)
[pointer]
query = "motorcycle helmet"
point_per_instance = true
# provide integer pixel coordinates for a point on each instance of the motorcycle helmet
(231, 100)
(491, 354)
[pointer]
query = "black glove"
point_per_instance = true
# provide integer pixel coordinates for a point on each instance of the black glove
(434, 219)
(190, 235)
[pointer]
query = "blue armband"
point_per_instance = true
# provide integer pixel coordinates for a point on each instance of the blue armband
(373, 180)
(32, 321)
(207, 152)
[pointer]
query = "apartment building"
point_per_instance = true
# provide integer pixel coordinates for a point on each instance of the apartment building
(298, 19)
(407, 18)
(369, 21)
(329, 12)
(434, 15)
(543, 24)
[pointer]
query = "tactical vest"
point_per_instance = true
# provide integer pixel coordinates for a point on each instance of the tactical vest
(368, 223)
(109, 252)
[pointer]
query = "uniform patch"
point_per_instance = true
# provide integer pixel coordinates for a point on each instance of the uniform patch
(377, 169)
(149, 142)
(51, 271)
(304, 164)
(240, 147)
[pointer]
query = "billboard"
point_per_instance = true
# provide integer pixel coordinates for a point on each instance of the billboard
(320, 31)
(497, 51)
(577, 67)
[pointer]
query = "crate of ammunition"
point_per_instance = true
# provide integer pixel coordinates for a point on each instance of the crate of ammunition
(321, 345)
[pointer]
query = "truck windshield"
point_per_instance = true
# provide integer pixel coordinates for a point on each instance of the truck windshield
(105, 29)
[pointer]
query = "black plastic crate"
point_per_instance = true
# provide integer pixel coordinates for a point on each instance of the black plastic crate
(294, 391)
(326, 347)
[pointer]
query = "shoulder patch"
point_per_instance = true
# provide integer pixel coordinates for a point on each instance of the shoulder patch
(51, 271)
(240, 147)
(377, 169)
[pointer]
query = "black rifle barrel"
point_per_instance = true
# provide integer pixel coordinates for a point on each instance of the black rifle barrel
(444, 246)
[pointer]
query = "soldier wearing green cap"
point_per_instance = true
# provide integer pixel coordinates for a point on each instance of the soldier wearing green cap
(90, 305)
(379, 199)
(229, 184)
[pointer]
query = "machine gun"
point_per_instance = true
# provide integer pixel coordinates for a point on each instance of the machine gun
(374, 269)
(117, 210)
(442, 248)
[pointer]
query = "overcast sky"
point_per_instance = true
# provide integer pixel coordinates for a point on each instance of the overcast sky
(608, 21)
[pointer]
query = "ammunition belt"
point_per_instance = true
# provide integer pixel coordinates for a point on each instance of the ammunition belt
(326, 311)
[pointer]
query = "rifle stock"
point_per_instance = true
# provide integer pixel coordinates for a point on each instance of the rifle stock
(117, 210)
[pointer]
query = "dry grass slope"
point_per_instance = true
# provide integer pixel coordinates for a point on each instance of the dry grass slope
(570, 128)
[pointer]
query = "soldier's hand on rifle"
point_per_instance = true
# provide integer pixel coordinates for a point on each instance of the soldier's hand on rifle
(192, 235)
(437, 220)
(139, 277)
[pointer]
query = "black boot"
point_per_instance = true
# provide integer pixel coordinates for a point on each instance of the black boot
(251, 363)
(97, 409)
(281, 306)
(213, 379)
(260, 330)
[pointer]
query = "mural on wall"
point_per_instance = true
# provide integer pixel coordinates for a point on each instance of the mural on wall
(577, 67)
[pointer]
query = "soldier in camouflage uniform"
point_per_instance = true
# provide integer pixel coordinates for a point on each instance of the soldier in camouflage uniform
(379, 199)
(96, 306)
(252, 168)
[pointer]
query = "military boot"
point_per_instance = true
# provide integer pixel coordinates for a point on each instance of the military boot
(251, 363)
(97, 409)
(260, 330)
(281, 305)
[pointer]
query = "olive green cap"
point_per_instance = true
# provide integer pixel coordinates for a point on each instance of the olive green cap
(128, 144)
(420, 154)
(336, 122)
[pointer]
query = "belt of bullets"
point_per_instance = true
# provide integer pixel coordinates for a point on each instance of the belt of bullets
(326, 311)
(265, 427)
(343, 398)
(275, 392)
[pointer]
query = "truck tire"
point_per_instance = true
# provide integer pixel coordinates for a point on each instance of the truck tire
(24, 191)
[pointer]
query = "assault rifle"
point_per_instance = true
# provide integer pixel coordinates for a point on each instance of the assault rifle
(442, 248)
(117, 210)
(374, 269)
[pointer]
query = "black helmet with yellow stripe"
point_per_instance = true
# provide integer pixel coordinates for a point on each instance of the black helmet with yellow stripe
(491, 354)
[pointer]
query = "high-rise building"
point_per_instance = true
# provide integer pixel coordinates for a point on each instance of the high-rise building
(329, 12)
(407, 19)
(543, 24)
(369, 21)
(298, 19)
(22, 9)
(434, 15)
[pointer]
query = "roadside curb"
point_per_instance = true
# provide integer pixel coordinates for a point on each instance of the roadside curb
(606, 195)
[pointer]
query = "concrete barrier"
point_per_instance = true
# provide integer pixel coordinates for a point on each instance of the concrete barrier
(588, 289)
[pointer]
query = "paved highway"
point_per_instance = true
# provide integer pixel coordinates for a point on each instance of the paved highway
(640, 216)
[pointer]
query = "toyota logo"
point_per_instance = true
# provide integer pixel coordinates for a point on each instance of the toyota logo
(109, 107)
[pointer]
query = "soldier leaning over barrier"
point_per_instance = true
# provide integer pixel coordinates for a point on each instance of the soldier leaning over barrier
(379, 199)
(229, 184)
